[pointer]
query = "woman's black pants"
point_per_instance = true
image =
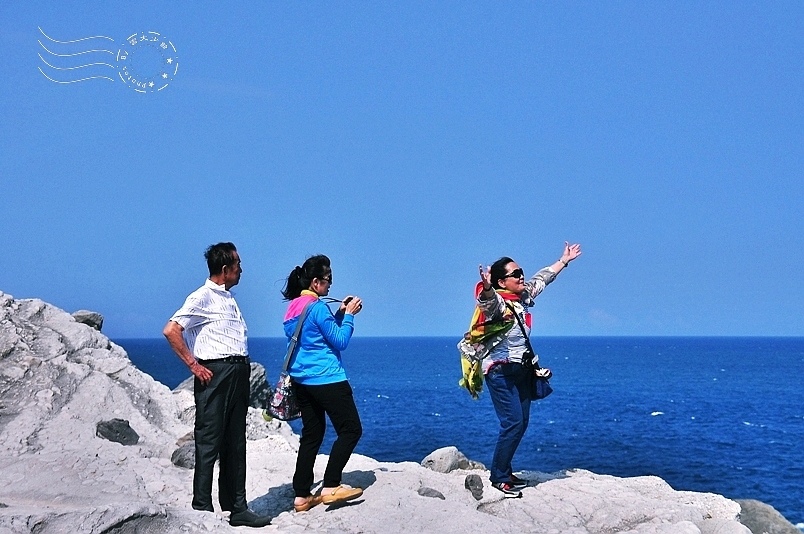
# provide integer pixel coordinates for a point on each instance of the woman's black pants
(337, 402)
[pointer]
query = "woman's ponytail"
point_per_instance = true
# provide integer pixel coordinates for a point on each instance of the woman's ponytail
(301, 276)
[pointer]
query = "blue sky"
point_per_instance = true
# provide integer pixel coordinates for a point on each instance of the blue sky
(410, 141)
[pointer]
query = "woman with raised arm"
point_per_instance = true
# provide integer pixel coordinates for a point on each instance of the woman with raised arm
(320, 382)
(504, 297)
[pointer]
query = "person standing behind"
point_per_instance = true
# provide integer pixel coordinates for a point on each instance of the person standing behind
(208, 333)
(320, 382)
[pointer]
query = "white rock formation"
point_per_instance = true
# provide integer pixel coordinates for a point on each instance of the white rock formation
(58, 378)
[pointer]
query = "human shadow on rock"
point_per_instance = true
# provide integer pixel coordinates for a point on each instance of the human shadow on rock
(360, 479)
(276, 501)
(534, 478)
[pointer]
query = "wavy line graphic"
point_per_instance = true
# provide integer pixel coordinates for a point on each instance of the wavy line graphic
(75, 81)
(65, 49)
(76, 40)
(71, 55)
(72, 68)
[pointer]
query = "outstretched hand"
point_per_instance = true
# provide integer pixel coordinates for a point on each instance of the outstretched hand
(485, 277)
(570, 252)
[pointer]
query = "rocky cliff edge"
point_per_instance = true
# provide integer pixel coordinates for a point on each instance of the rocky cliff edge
(61, 469)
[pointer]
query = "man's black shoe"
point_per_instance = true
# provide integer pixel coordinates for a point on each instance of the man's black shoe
(247, 518)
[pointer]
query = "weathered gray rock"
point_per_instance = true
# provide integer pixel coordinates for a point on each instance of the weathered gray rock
(117, 430)
(447, 459)
(184, 456)
(58, 379)
(430, 492)
(763, 518)
(475, 485)
(260, 390)
(90, 318)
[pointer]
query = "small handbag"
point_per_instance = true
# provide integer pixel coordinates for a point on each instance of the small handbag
(283, 404)
(541, 384)
(540, 387)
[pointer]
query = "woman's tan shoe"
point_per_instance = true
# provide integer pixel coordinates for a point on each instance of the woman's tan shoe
(340, 494)
(311, 501)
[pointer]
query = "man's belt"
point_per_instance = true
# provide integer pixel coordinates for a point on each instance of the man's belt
(227, 359)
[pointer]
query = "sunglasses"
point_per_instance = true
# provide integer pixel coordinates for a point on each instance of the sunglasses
(327, 279)
(516, 273)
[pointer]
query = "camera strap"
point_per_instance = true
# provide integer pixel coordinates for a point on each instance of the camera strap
(530, 362)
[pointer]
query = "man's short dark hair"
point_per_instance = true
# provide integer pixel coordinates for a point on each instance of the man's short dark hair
(219, 255)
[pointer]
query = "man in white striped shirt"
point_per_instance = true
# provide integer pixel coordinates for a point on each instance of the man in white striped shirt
(208, 333)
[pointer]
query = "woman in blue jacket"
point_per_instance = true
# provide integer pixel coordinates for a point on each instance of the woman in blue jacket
(320, 381)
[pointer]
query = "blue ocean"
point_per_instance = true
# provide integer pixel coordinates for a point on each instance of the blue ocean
(713, 414)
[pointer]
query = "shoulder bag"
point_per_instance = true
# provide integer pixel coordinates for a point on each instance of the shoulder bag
(283, 405)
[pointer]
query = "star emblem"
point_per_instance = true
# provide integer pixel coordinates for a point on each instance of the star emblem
(164, 75)
(170, 60)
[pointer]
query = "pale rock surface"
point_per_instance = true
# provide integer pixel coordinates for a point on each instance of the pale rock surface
(58, 378)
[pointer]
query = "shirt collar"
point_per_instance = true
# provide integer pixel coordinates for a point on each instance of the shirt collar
(215, 287)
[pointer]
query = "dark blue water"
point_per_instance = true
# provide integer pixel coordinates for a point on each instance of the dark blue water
(722, 415)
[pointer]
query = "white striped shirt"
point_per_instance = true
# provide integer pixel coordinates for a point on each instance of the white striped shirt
(212, 322)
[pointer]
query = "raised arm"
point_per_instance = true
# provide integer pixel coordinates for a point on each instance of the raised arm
(488, 300)
(570, 253)
(545, 276)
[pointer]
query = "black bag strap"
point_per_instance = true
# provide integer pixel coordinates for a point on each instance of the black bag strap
(295, 338)
(530, 363)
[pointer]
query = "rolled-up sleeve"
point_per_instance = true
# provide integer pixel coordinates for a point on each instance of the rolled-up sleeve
(539, 281)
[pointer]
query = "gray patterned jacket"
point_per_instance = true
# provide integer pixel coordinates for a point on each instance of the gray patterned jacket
(511, 347)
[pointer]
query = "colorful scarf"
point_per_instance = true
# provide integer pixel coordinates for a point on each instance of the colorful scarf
(474, 346)
(481, 329)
